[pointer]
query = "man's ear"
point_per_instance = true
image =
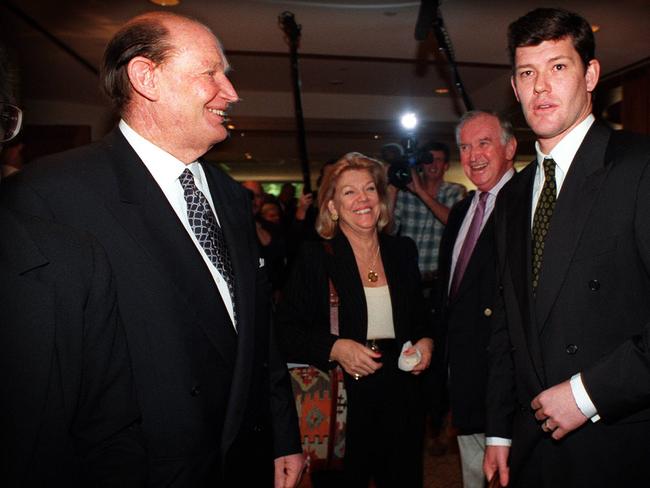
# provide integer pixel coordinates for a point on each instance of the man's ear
(511, 148)
(514, 87)
(592, 74)
(143, 77)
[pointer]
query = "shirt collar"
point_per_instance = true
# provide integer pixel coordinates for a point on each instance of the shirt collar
(565, 150)
(504, 179)
(164, 167)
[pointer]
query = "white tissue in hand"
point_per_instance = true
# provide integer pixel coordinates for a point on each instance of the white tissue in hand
(407, 363)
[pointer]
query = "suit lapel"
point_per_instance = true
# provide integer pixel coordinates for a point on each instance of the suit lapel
(456, 217)
(342, 269)
(579, 192)
(515, 243)
(143, 210)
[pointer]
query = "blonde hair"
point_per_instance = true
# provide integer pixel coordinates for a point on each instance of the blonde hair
(325, 226)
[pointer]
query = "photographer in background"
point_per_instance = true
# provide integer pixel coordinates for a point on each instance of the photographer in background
(422, 208)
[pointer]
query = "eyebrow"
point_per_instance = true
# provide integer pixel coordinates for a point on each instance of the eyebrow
(551, 60)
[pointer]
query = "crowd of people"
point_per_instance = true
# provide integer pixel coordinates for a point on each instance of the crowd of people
(150, 303)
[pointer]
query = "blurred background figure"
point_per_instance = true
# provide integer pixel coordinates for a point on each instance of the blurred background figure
(380, 308)
(270, 236)
(68, 413)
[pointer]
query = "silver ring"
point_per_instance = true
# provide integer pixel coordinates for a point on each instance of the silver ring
(356, 376)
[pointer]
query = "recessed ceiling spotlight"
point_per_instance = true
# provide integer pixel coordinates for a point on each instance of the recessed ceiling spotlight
(595, 28)
(230, 127)
(248, 155)
(376, 136)
(442, 91)
(165, 3)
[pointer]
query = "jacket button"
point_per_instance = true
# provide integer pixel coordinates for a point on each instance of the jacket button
(487, 312)
(594, 285)
(571, 349)
(196, 390)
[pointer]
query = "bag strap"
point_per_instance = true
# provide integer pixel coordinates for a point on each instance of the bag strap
(333, 296)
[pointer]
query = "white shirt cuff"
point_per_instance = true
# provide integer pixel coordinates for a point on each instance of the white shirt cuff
(582, 399)
(498, 441)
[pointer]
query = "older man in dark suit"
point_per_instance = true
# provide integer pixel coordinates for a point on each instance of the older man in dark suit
(570, 357)
(214, 392)
(468, 269)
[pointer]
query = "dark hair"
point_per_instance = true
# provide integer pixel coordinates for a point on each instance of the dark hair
(8, 77)
(436, 146)
(145, 36)
(506, 127)
(552, 24)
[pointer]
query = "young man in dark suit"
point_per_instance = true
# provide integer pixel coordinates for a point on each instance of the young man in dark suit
(214, 392)
(570, 363)
(468, 270)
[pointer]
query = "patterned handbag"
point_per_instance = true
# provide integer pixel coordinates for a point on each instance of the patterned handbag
(321, 402)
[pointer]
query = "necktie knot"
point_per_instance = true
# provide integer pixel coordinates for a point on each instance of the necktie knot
(187, 180)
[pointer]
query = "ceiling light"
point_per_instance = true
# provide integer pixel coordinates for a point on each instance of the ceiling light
(230, 127)
(165, 3)
(409, 121)
(376, 136)
(595, 28)
(248, 156)
(442, 91)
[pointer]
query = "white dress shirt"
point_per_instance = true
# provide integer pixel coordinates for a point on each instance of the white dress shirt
(166, 170)
(464, 228)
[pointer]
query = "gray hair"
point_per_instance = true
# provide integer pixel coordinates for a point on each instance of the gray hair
(506, 127)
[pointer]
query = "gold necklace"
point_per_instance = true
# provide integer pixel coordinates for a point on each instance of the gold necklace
(373, 276)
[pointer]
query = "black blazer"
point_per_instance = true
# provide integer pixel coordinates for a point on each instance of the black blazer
(202, 388)
(591, 313)
(68, 412)
(303, 315)
(466, 320)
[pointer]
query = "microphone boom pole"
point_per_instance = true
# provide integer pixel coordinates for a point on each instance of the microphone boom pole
(292, 32)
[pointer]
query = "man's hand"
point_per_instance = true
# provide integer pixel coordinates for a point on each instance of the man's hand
(495, 463)
(557, 410)
(289, 470)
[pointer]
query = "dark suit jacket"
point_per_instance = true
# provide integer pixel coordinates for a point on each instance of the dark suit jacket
(303, 315)
(205, 392)
(67, 405)
(591, 314)
(466, 321)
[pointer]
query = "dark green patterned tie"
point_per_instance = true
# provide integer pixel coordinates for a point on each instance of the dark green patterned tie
(542, 219)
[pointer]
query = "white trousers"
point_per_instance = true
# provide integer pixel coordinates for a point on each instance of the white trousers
(472, 449)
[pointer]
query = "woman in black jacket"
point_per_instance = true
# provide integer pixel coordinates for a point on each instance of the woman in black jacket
(380, 308)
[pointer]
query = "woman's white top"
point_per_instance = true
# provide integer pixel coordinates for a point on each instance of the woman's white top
(380, 313)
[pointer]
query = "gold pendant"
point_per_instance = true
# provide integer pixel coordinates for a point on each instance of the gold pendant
(373, 276)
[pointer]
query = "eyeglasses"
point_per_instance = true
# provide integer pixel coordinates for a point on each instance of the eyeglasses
(11, 119)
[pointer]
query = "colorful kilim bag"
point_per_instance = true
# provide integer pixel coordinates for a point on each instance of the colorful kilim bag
(322, 406)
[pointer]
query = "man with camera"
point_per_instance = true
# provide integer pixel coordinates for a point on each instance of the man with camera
(422, 208)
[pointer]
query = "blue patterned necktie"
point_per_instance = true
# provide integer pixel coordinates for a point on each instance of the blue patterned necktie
(542, 218)
(207, 230)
